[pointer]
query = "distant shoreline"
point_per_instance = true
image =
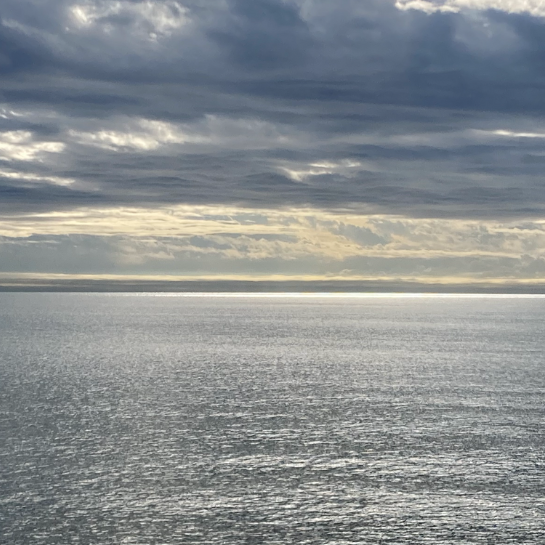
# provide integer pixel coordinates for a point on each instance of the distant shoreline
(233, 286)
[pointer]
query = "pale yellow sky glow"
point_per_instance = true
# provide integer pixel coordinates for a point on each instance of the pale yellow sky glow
(221, 242)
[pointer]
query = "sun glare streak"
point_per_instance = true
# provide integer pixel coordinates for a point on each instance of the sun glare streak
(331, 295)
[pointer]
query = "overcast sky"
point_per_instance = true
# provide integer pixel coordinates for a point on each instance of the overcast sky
(287, 139)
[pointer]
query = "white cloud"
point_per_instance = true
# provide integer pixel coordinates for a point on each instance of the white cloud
(144, 135)
(346, 168)
(153, 18)
(423, 5)
(36, 178)
(141, 136)
(8, 113)
(512, 134)
(533, 7)
(505, 134)
(20, 146)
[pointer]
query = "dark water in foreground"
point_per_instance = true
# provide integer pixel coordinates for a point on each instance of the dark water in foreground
(168, 419)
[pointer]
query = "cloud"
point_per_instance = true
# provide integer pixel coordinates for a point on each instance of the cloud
(296, 244)
(35, 178)
(512, 134)
(346, 168)
(422, 110)
(153, 18)
(21, 146)
(532, 7)
(146, 135)
(290, 244)
(425, 165)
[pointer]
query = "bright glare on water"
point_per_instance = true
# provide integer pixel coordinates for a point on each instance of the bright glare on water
(131, 419)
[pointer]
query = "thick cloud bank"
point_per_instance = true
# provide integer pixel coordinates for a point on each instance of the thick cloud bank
(410, 108)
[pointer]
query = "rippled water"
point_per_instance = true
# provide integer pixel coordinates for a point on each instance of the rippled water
(169, 419)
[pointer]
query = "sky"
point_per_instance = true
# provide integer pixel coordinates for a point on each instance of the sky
(355, 140)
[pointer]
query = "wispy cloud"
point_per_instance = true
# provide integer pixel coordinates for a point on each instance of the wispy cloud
(153, 18)
(289, 244)
(532, 7)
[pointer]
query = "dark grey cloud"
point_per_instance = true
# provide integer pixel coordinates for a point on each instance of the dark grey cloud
(271, 103)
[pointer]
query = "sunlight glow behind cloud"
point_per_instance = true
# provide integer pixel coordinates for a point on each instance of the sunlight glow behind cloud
(155, 18)
(293, 244)
(20, 146)
(532, 7)
(145, 135)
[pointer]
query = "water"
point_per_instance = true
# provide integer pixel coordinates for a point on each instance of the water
(248, 420)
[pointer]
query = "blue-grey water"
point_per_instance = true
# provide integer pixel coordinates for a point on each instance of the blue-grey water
(142, 419)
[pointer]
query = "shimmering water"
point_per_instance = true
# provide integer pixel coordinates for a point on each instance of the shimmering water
(168, 419)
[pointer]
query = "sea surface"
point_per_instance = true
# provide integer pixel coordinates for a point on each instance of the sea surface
(164, 419)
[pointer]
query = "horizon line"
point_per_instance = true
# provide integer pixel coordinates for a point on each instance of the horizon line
(288, 294)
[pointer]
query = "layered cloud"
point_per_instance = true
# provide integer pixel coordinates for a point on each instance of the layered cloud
(472, 166)
(409, 111)
(296, 244)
